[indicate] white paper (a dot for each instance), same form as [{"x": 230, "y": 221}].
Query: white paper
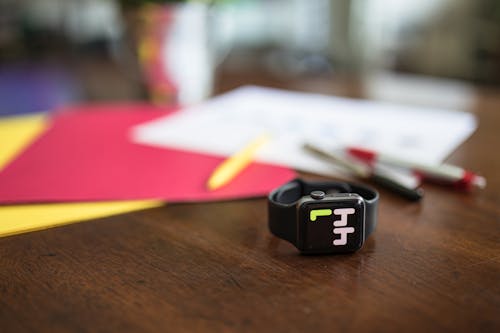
[
  {"x": 227, "y": 123},
  {"x": 419, "y": 90}
]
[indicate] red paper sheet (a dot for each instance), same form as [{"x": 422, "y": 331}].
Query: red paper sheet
[{"x": 87, "y": 155}]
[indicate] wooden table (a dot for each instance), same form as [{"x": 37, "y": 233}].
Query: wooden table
[{"x": 430, "y": 266}]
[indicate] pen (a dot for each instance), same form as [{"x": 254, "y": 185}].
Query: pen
[
  {"x": 404, "y": 185},
  {"x": 233, "y": 165},
  {"x": 444, "y": 173}
]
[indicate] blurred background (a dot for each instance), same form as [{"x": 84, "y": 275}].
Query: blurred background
[{"x": 54, "y": 52}]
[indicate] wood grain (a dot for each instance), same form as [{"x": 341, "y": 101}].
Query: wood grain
[{"x": 214, "y": 267}]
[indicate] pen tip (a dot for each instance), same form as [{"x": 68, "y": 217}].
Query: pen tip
[
  {"x": 479, "y": 182},
  {"x": 211, "y": 186},
  {"x": 215, "y": 182}
]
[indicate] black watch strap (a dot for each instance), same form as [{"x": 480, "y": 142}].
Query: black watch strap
[{"x": 283, "y": 210}]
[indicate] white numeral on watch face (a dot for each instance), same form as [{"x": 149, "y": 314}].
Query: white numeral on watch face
[{"x": 340, "y": 225}]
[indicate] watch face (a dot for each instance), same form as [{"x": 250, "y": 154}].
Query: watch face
[{"x": 331, "y": 225}]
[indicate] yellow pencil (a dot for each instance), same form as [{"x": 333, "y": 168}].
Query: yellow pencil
[{"x": 233, "y": 165}]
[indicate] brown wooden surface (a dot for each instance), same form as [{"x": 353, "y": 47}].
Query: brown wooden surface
[{"x": 432, "y": 266}]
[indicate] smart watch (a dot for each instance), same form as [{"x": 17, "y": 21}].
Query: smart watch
[{"x": 323, "y": 217}]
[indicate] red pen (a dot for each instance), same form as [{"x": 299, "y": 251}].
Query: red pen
[
  {"x": 405, "y": 185},
  {"x": 443, "y": 173}
]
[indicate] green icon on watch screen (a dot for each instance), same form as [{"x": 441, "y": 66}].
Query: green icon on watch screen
[{"x": 319, "y": 212}]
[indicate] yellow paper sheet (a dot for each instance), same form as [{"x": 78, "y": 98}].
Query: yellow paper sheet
[{"x": 16, "y": 133}]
